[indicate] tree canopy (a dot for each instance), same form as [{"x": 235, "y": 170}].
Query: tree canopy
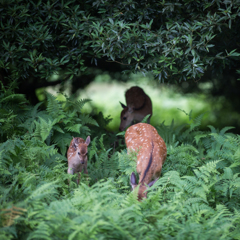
[{"x": 175, "y": 40}]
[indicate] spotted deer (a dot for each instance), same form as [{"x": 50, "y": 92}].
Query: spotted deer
[
  {"x": 77, "y": 156},
  {"x": 138, "y": 106},
  {"x": 151, "y": 154}
]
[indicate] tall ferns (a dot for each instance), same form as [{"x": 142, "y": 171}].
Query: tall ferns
[{"x": 197, "y": 196}]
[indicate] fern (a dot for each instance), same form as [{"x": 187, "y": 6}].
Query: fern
[
  {"x": 73, "y": 105},
  {"x": 13, "y": 108},
  {"x": 46, "y": 192},
  {"x": 74, "y": 128},
  {"x": 9, "y": 149},
  {"x": 196, "y": 197},
  {"x": 13, "y": 98},
  {"x": 145, "y": 119},
  {"x": 170, "y": 133},
  {"x": 33, "y": 114},
  {"x": 100, "y": 163},
  {"x": 43, "y": 128},
  {"x": 62, "y": 141},
  {"x": 182, "y": 158},
  {"x": 54, "y": 107}
]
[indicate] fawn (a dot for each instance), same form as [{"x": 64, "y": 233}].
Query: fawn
[
  {"x": 152, "y": 152},
  {"x": 77, "y": 156},
  {"x": 138, "y": 106}
]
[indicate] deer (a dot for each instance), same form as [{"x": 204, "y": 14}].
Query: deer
[
  {"x": 138, "y": 106},
  {"x": 151, "y": 151},
  {"x": 77, "y": 156}
]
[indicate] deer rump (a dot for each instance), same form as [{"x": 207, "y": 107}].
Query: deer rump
[
  {"x": 148, "y": 165},
  {"x": 151, "y": 155}
]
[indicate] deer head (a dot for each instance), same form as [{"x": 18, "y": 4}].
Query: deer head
[{"x": 138, "y": 106}]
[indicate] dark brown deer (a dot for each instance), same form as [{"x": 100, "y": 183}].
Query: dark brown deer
[{"x": 138, "y": 106}]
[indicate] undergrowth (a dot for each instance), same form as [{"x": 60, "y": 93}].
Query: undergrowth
[{"x": 196, "y": 197}]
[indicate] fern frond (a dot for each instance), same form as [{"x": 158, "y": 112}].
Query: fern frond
[
  {"x": 43, "y": 128},
  {"x": 131, "y": 199},
  {"x": 196, "y": 121},
  {"x": 145, "y": 119},
  {"x": 93, "y": 148},
  {"x": 212, "y": 128},
  {"x": 32, "y": 114},
  {"x": 195, "y": 200},
  {"x": 43, "y": 231},
  {"x": 58, "y": 128},
  {"x": 228, "y": 173},
  {"x": 236, "y": 157},
  {"x": 62, "y": 140},
  {"x": 54, "y": 107},
  {"x": 44, "y": 192},
  {"x": 9, "y": 148},
  {"x": 171, "y": 178},
  {"x": 75, "y": 105},
  {"x": 221, "y": 213},
  {"x": 224, "y": 130},
  {"x": 14, "y": 98},
  {"x": 11, "y": 214},
  {"x": 74, "y": 128},
  {"x": 127, "y": 163},
  {"x": 170, "y": 133},
  {"x": 199, "y": 136},
  {"x": 62, "y": 208},
  {"x": 220, "y": 140},
  {"x": 101, "y": 142},
  {"x": 86, "y": 119}
]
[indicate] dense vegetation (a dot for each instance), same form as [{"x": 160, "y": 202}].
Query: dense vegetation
[
  {"x": 197, "y": 196},
  {"x": 185, "y": 40}
]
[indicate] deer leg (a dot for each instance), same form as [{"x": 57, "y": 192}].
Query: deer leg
[
  {"x": 86, "y": 172},
  {"x": 78, "y": 178},
  {"x": 70, "y": 171}
]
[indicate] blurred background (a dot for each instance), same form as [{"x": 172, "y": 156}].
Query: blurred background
[{"x": 170, "y": 101}]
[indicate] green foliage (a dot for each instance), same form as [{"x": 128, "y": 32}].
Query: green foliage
[
  {"x": 197, "y": 196},
  {"x": 175, "y": 40}
]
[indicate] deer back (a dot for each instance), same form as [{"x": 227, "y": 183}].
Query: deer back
[
  {"x": 152, "y": 152},
  {"x": 138, "y": 106}
]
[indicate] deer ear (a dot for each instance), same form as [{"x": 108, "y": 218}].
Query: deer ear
[
  {"x": 133, "y": 179},
  {"x": 123, "y": 106},
  {"x": 151, "y": 183},
  {"x": 88, "y": 140}
]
